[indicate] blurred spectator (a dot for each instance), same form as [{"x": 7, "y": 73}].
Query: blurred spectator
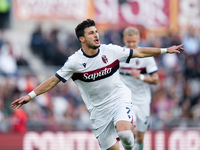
[
  {"x": 19, "y": 121},
  {"x": 4, "y": 124},
  {"x": 196, "y": 111},
  {"x": 160, "y": 111},
  {"x": 11, "y": 57},
  {"x": 170, "y": 62},
  {"x": 82, "y": 115},
  {"x": 186, "y": 114},
  {"x": 44, "y": 103},
  {"x": 190, "y": 67},
  {"x": 27, "y": 82},
  {"x": 60, "y": 106},
  {"x": 2, "y": 40},
  {"x": 8, "y": 63},
  {"x": 37, "y": 41},
  {"x": 48, "y": 46},
  {"x": 192, "y": 45},
  {"x": 69, "y": 121},
  {"x": 175, "y": 39},
  {"x": 113, "y": 36},
  {"x": 72, "y": 44},
  {"x": 19, "y": 56}
]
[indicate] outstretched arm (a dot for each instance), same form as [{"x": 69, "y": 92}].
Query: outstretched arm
[
  {"x": 148, "y": 51},
  {"x": 42, "y": 88}
]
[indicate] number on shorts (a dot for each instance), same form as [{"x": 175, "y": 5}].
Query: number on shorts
[
  {"x": 128, "y": 112},
  {"x": 147, "y": 120}
]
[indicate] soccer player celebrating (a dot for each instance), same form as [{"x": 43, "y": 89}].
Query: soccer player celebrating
[
  {"x": 137, "y": 75},
  {"x": 95, "y": 70}
]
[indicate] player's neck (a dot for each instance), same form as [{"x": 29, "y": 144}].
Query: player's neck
[
  {"x": 89, "y": 51},
  {"x": 135, "y": 47}
]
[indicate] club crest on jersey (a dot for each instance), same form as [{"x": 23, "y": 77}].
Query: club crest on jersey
[
  {"x": 137, "y": 62},
  {"x": 104, "y": 58}
]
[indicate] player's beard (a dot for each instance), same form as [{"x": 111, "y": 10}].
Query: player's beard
[{"x": 92, "y": 46}]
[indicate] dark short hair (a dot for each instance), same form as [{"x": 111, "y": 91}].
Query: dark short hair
[{"x": 81, "y": 27}]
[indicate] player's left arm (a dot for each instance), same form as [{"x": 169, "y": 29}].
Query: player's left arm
[
  {"x": 148, "y": 51},
  {"x": 152, "y": 79}
]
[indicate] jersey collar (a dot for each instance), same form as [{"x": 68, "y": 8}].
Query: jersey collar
[{"x": 88, "y": 55}]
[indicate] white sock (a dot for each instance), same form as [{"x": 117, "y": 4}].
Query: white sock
[
  {"x": 127, "y": 139},
  {"x": 138, "y": 146}
]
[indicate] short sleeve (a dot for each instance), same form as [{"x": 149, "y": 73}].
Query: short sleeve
[
  {"x": 122, "y": 53},
  {"x": 151, "y": 65},
  {"x": 66, "y": 71}
]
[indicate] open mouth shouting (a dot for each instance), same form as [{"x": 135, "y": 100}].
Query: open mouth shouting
[{"x": 97, "y": 41}]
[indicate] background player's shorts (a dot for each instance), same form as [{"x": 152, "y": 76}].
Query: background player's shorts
[
  {"x": 107, "y": 137},
  {"x": 142, "y": 113}
]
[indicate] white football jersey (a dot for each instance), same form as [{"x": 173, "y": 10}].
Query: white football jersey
[
  {"x": 98, "y": 78},
  {"x": 140, "y": 90}
]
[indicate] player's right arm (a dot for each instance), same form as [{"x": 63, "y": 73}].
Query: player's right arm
[{"x": 42, "y": 88}]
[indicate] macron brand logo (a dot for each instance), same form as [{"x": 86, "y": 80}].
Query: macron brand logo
[
  {"x": 84, "y": 65},
  {"x": 98, "y": 74}
]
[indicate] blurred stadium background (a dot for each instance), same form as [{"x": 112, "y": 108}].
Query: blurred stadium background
[{"x": 37, "y": 36}]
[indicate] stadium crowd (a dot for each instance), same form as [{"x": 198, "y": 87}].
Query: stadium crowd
[{"x": 175, "y": 100}]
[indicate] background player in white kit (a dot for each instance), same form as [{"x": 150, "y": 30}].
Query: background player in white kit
[
  {"x": 95, "y": 70},
  {"x": 137, "y": 75}
]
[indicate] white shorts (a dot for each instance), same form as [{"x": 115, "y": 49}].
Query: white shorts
[
  {"x": 108, "y": 133},
  {"x": 142, "y": 113}
]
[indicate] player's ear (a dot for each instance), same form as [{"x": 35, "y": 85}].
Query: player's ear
[
  {"x": 124, "y": 39},
  {"x": 82, "y": 39}
]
